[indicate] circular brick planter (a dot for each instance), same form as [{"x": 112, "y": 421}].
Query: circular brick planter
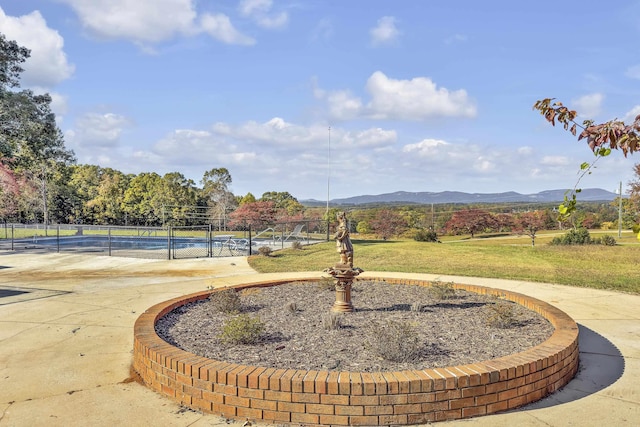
[{"x": 357, "y": 398}]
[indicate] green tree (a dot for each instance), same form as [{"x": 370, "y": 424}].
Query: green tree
[
  {"x": 107, "y": 204},
  {"x": 31, "y": 144},
  {"x": 215, "y": 191},
  {"x": 142, "y": 203},
  {"x": 284, "y": 202},
  {"x": 248, "y": 198},
  {"x": 633, "y": 204},
  {"x": 84, "y": 182},
  {"x": 177, "y": 198},
  {"x": 363, "y": 227}
]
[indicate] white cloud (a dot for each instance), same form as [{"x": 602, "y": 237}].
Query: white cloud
[
  {"x": 385, "y": 32},
  {"x": 391, "y": 99},
  {"x": 588, "y": 106},
  {"x": 343, "y": 105},
  {"x": 58, "y": 106},
  {"x": 631, "y": 114},
  {"x": 456, "y": 38},
  {"x": 146, "y": 22},
  {"x": 220, "y": 28},
  {"x": 260, "y": 12},
  {"x": 96, "y": 138},
  {"x": 633, "y": 72},
  {"x": 444, "y": 158},
  {"x": 370, "y": 138},
  {"x": 415, "y": 99},
  {"x": 555, "y": 161},
  {"x": 47, "y": 66},
  {"x": 274, "y": 152},
  {"x": 426, "y": 147},
  {"x": 323, "y": 30},
  {"x": 96, "y": 131}
]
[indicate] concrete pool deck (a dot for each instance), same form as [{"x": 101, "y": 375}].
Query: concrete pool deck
[{"x": 66, "y": 333}]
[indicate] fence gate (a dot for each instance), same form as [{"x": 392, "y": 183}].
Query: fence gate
[
  {"x": 202, "y": 242},
  {"x": 190, "y": 242}
]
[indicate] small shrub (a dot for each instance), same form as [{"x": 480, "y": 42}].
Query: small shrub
[
  {"x": 292, "y": 307},
  {"x": 327, "y": 283},
  {"x": 265, "y": 250},
  {"x": 442, "y": 291},
  {"x": 242, "y": 329},
  {"x": 296, "y": 245},
  {"x": 226, "y": 301},
  {"x": 426, "y": 236},
  {"x": 635, "y": 228},
  {"x": 250, "y": 291},
  {"x": 501, "y": 315},
  {"x": 575, "y": 236},
  {"x": 395, "y": 341},
  {"x": 332, "y": 321},
  {"x": 417, "y": 307},
  {"x": 606, "y": 240}
]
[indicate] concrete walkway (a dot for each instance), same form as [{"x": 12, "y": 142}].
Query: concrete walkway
[{"x": 66, "y": 333}]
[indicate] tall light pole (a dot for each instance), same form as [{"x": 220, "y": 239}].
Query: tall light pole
[{"x": 328, "y": 179}]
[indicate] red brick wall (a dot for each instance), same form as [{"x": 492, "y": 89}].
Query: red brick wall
[{"x": 355, "y": 398}]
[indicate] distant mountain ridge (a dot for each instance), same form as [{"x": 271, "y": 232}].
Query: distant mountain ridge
[{"x": 426, "y": 197}]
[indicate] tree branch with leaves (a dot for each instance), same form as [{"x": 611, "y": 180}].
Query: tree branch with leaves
[{"x": 601, "y": 139}]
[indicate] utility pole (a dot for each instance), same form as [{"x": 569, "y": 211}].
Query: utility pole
[
  {"x": 433, "y": 218},
  {"x": 620, "y": 212}
]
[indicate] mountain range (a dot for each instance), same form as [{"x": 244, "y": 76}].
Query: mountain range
[{"x": 427, "y": 197}]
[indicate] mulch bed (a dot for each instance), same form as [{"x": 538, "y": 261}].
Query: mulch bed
[{"x": 412, "y": 325}]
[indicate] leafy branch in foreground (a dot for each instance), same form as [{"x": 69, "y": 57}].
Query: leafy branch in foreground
[{"x": 601, "y": 139}]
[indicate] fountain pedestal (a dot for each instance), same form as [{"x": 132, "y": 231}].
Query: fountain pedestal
[{"x": 344, "y": 275}]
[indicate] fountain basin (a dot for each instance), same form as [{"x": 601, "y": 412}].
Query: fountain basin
[{"x": 357, "y": 398}]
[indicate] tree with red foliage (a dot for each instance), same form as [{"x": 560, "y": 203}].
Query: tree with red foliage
[
  {"x": 387, "y": 223},
  {"x": 530, "y": 223},
  {"x": 470, "y": 221},
  {"x": 504, "y": 222},
  {"x": 9, "y": 190},
  {"x": 258, "y": 215}
]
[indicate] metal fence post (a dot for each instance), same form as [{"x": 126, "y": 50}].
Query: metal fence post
[
  {"x": 249, "y": 239},
  {"x": 109, "y": 239},
  {"x": 210, "y": 241},
  {"x": 58, "y": 237},
  {"x": 168, "y": 242},
  {"x": 13, "y": 226}
]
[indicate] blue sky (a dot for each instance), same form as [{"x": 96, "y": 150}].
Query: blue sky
[{"x": 418, "y": 95}]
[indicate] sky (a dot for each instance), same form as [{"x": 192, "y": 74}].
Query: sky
[{"x": 334, "y": 98}]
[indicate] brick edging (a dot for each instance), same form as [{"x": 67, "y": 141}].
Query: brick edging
[{"x": 357, "y": 398}]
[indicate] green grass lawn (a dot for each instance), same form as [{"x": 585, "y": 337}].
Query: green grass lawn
[{"x": 593, "y": 266}]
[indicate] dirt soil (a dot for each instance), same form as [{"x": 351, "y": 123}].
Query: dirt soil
[{"x": 408, "y": 324}]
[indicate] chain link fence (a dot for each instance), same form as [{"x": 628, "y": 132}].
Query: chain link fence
[{"x": 154, "y": 242}]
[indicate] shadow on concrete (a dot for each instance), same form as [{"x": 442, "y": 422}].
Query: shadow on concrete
[
  {"x": 13, "y": 295},
  {"x": 601, "y": 364},
  {"x": 4, "y": 293}
]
